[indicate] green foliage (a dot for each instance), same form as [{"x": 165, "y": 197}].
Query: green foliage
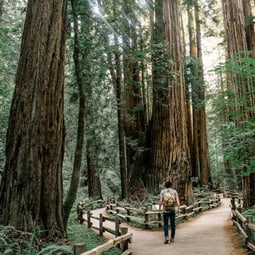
[
  {"x": 17, "y": 242},
  {"x": 250, "y": 211},
  {"x": 81, "y": 234},
  {"x": 10, "y": 34},
  {"x": 234, "y": 110},
  {"x": 194, "y": 81},
  {"x": 56, "y": 249}
]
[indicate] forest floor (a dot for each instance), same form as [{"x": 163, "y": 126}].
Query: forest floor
[{"x": 210, "y": 233}]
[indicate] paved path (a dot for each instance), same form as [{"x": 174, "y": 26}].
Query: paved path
[{"x": 209, "y": 233}]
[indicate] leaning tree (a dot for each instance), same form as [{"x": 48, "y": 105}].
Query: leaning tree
[{"x": 31, "y": 191}]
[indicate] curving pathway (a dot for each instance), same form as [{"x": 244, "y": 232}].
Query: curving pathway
[{"x": 209, "y": 233}]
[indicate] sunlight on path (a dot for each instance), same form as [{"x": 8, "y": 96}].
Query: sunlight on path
[{"x": 210, "y": 233}]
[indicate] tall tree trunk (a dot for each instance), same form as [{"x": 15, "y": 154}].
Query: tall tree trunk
[
  {"x": 250, "y": 37},
  {"x": 159, "y": 84},
  {"x": 134, "y": 115},
  {"x": 205, "y": 174},
  {"x": 234, "y": 13},
  {"x": 199, "y": 151},
  {"x": 193, "y": 133},
  {"x": 94, "y": 182},
  {"x": 169, "y": 140},
  {"x": 75, "y": 180},
  {"x": 1, "y": 9},
  {"x": 114, "y": 61},
  {"x": 188, "y": 94},
  {"x": 250, "y": 26},
  {"x": 31, "y": 192}
]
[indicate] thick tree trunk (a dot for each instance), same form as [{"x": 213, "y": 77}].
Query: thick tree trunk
[
  {"x": 114, "y": 62},
  {"x": 191, "y": 115},
  {"x": 1, "y": 9},
  {"x": 205, "y": 174},
  {"x": 134, "y": 115},
  {"x": 235, "y": 14},
  {"x": 169, "y": 140},
  {"x": 94, "y": 183},
  {"x": 31, "y": 190},
  {"x": 199, "y": 151},
  {"x": 250, "y": 26},
  {"x": 75, "y": 180}
]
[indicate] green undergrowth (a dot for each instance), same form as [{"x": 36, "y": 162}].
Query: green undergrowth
[
  {"x": 250, "y": 212},
  {"x": 14, "y": 242},
  {"x": 78, "y": 233}
]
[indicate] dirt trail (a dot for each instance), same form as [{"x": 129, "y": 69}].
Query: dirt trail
[{"x": 210, "y": 233}]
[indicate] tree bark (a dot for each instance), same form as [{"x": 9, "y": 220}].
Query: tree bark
[
  {"x": 1, "y": 9},
  {"x": 75, "y": 180},
  {"x": 169, "y": 140},
  {"x": 31, "y": 192},
  {"x": 114, "y": 62},
  {"x": 134, "y": 110},
  {"x": 235, "y": 15},
  {"x": 205, "y": 173}
]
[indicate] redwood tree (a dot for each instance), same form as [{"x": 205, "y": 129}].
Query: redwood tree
[
  {"x": 195, "y": 79},
  {"x": 134, "y": 111},
  {"x": 169, "y": 140},
  {"x": 31, "y": 191},
  {"x": 1, "y": 8},
  {"x": 239, "y": 41}
]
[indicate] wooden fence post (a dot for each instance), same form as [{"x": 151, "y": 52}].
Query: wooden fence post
[
  {"x": 80, "y": 212},
  {"x": 233, "y": 203},
  {"x": 199, "y": 205},
  {"x": 124, "y": 244},
  {"x": 250, "y": 231},
  {"x": 128, "y": 213},
  {"x": 101, "y": 228},
  {"x": 146, "y": 219},
  {"x": 159, "y": 219},
  {"x": 79, "y": 248},
  {"x": 233, "y": 208},
  {"x": 117, "y": 226},
  {"x": 89, "y": 219}
]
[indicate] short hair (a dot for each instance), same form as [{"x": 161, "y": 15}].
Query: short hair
[{"x": 168, "y": 184}]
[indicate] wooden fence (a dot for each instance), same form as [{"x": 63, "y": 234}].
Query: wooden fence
[
  {"x": 101, "y": 224},
  {"x": 245, "y": 225},
  {"x": 144, "y": 216},
  {"x": 150, "y": 218},
  {"x": 121, "y": 242}
]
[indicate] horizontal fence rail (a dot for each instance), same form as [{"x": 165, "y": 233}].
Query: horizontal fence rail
[
  {"x": 121, "y": 241},
  {"x": 151, "y": 217},
  {"x": 244, "y": 225},
  {"x": 117, "y": 214}
]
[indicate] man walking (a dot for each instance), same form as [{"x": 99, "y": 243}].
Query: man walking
[{"x": 169, "y": 199}]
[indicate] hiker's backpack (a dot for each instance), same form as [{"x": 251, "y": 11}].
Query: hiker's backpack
[{"x": 169, "y": 200}]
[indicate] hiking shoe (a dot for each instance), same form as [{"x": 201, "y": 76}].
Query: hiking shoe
[
  {"x": 166, "y": 241},
  {"x": 172, "y": 240}
]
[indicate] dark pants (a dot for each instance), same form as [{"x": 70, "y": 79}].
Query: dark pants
[{"x": 166, "y": 216}]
